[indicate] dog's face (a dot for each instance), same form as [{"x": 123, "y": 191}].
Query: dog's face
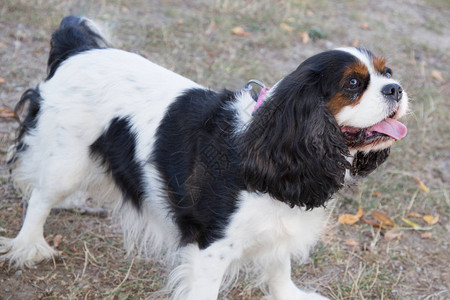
[
  {"x": 368, "y": 103},
  {"x": 336, "y": 104}
]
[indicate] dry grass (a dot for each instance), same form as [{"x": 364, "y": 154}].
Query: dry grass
[{"x": 195, "y": 39}]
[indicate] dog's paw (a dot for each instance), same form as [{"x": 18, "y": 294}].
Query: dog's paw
[
  {"x": 314, "y": 296},
  {"x": 302, "y": 296},
  {"x": 21, "y": 254}
]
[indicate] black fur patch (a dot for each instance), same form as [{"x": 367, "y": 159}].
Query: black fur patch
[
  {"x": 293, "y": 148},
  {"x": 72, "y": 37},
  {"x": 117, "y": 149},
  {"x": 197, "y": 156},
  {"x": 366, "y": 163}
]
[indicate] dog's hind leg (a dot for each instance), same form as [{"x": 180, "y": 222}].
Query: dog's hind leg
[
  {"x": 56, "y": 177},
  {"x": 29, "y": 247}
]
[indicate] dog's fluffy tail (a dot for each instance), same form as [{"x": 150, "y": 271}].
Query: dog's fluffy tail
[
  {"x": 74, "y": 35},
  {"x": 33, "y": 98}
]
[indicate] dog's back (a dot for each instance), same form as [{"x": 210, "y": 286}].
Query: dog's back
[{"x": 87, "y": 87}]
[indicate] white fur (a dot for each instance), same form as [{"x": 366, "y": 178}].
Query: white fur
[{"x": 243, "y": 107}]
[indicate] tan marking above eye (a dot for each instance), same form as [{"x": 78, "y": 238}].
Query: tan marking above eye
[
  {"x": 379, "y": 64},
  {"x": 357, "y": 68}
]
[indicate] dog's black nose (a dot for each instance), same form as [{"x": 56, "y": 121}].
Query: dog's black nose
[{"x": 392, "y": 91}]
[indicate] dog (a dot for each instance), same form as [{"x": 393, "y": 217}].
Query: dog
[{"x": 187, "y": 171}]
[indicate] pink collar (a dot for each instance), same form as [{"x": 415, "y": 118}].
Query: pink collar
[
  {"x": 262, "y": 93},
  {"x": 261, "y": 98}
]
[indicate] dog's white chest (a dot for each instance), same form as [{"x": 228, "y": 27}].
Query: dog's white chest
[{"x": 262, "y": 222}]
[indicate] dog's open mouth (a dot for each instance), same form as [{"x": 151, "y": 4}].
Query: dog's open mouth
[{"x": 388, "y": 128}]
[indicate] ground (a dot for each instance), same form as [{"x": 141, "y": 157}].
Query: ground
[{"x": 223, "y": 44}]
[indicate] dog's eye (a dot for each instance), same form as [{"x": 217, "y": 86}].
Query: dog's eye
[
  {"x": 352, "y": 83},
  {"x": 388, "y": 73}
]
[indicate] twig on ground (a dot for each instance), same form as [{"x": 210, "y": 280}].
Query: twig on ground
[{"x": 125, "y": 279}]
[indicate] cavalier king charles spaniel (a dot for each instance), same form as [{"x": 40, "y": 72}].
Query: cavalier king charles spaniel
[{"x": 192, "y": 175}]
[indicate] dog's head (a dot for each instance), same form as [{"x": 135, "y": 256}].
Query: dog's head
[{"x": 335, "y": 103}]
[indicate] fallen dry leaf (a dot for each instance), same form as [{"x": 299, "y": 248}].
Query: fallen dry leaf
[
  {"x": 364, "y": 26},
  {"x": 426, "y": 235},
  {"x": 212, "y": 26},
  {"x": 286, "y": 27},
  {"x": 377, "y": 194},
  {"x": 304, "y": 36},
  {"x": 239, "y": 31},
  {"x": 2, "y": 80},
  {"x": 430, "y": 219},
  {"x": 57, "y": 240},
  {"x": 6, "y": 113},
  {"x": 348, "y": 219},
  {"x": 351, "y": 243},
  {"x": 360, "y": 212},
  {"x": 437, "y": 75},
  {"x": 413, "y": 215},
  {"x": 392, "y": 234},
  {"x": 373, "y": 223},
  {"x": 422, "y": 186},
  {"x": 382, "y": 218}
]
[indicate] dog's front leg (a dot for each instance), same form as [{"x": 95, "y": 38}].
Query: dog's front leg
[
  {"x": 281, "y": 287},
  {"x": 200, "y": 273}
]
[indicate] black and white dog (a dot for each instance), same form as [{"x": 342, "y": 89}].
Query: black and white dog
[{"x": 187, "y": 170}]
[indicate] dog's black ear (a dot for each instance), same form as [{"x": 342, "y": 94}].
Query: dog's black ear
[
  {"x": 293, "y": 148},
  {"x": 366, "y": 163}
]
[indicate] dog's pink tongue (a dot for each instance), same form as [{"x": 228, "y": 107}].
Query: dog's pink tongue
[{"x": 390, "y": 127}]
